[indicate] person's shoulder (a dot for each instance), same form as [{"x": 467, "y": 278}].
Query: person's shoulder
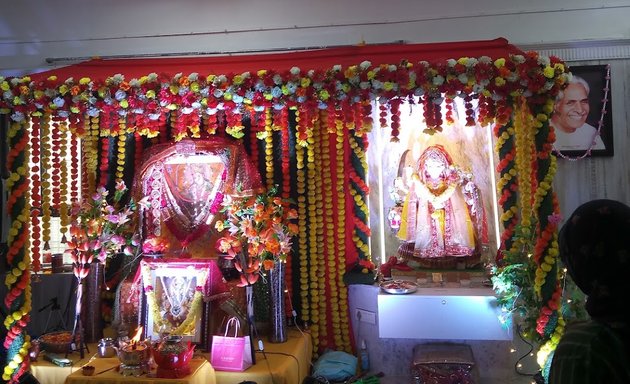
[{"x": 588, "y": 128}]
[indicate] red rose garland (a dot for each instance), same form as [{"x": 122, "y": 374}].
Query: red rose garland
[
  {"x": 36, "y": 197},
  {"x": 104, "y": 163}
]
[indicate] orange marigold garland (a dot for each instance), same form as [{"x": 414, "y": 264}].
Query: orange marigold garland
[{"x": 17, "y": 280}]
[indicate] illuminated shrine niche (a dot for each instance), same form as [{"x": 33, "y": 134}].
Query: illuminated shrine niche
[{"x": 438, "y": 193}]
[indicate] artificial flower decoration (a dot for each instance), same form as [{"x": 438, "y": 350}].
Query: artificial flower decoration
[
  {"x": 99, "y": 229},
  {"x": 259, "y": 231}
]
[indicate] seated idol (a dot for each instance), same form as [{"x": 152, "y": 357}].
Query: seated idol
[{"x": 443, "y": 220}]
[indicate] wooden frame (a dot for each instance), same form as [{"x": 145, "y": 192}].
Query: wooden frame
[{"x": 599, "y": 116}]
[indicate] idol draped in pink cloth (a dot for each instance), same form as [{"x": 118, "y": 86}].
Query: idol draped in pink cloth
[{"x": 443, "y": 215}]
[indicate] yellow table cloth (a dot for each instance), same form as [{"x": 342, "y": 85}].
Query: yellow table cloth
[
  {"x": 287, "y": 363},
  {"x": 201, "y": 373},
  {"x": 49, "y": 373}
]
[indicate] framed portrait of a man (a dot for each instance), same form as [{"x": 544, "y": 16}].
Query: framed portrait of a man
[{"x": 582, "y": 117}]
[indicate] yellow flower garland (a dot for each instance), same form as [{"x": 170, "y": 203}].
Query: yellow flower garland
[
  {"x": 317, "y": 203},
  {"x": 121, "y": 149},
  {"x": 188, "y": 325},
  {"x": 336, "y": 263},
  {"x": 46, "y": 161}
]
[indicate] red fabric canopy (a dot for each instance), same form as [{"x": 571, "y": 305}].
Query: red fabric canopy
[{"x": 306, "y": 60}]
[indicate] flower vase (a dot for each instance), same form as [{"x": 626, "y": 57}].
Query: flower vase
[
  {"x": 277, "y": 318},
  {"x": 93, "y": 326}
]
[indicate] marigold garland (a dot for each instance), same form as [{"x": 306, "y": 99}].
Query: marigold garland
[
  {"x": 121, "y": 150},
  {"x": 499, "y": 82},
  {"x": 46, "y": 163},
  {"x": 36, "y": 197},
  {"x": 64, "y": 221},
  {"x": 269, "y": 168},
  {"x": 321, "y": 138},
  {"x": 18, "y": 298}
]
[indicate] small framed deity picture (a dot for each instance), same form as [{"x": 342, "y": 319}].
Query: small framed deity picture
[
  {"x": 173, "y": 300},
  {"x": 582, "y": 115}
]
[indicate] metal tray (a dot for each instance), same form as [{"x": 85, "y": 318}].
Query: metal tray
[{"x": 399, "y": 287}]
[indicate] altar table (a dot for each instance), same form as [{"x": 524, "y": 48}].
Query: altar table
[
  {"x": 284, "y": 363},
  {"x": 48, "y": 373},
  {"x": 201, "y": 373}
]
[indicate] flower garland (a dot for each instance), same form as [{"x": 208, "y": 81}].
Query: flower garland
[
  {"x": 36, "y": 197},
  {"x": 336, "y": 265},
  {"x": 46, "y": 163},
  {"x": 121, "y": 140},
  {"x": 17, "y": 280},
  {"x": 269, "y": 168},
  {"x": 318, "y": 265},
  {"x": 309, "y": 313},
  {"x": 499, "y": 81},
  {"x": 286, "y": 194},
  {"x": 194, "y": 312},
  {"x": 315, "y": 261},
  {"x": 63, "y": 174},
  {"x": 426, "y": 195},
  {"x": 359, "y": 191}
]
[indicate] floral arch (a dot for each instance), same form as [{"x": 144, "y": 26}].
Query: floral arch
[{"x": 303, "y": 119}]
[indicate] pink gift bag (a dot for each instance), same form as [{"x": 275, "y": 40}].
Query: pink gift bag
[{"x": 231, "y": 353}]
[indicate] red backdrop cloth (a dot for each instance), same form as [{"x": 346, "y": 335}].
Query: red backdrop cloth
[{"x": 305, "y": 60}]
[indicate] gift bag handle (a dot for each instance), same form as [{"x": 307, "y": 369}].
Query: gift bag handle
[{"x": 237, "y": 326}]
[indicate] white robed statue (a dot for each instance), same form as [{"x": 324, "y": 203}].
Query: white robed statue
[{"x": 443, "y": 220}]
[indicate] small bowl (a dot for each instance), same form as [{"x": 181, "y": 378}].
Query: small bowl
[{"x": 88, "y": 370}]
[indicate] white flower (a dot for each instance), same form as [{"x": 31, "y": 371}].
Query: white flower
[
  {"x": 152, "y": 76},
  {"x": 438, "y": 80},
  {"x": 520, "y": 59},
  {"x": 193, "y": 76},
  {"x": 336, "y": 68},
  {"x": 365, "y": 65},
  {"x": 485, "y": 60},
  {"x": 295, "y": 71},
  {"x": 392, "y": 68},
  {"x": 451, "y": 62}
]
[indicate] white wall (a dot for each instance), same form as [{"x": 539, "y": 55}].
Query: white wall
[{"x": 32, "y": 30}]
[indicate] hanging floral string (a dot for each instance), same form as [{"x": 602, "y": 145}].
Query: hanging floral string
[
  {"x": 63, "y": 174},
  {"x": 121, "y": 149},
  {"x": 104, "y": 160},
  {"x": 46, "y": 163},
  {"x": 309, "y": 312},
  {"x": 269, "y": 168},
  {"x": 318, "y": 140},
  {"x": 336, "y": 265},
  {"x": 36, "y": 197},
  {"x": 18, "y": 278},
  {"x": 317, "y": 285}
]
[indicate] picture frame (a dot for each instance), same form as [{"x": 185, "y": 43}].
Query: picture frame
[
  {"x": 582, "y": 141},
  {"x": 170, "y": 286}
]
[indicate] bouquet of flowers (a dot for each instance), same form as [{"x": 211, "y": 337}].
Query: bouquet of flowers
[
  {"x": 100, "y": 230},
  {"x": 259, "y": 230}
]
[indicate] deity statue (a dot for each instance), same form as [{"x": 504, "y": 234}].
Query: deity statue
[{"x": 443, "y": 220}]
